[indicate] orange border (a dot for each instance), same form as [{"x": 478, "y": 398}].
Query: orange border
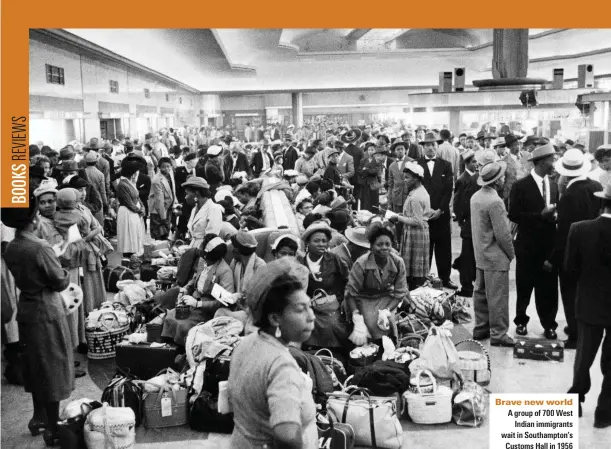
[{"x": 18, "y": 17}]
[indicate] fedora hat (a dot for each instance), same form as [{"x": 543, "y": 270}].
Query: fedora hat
[
  {"x": 542, "y": 152},
  {"x": 358, "y": 236},
  {"x": 69, "y": 165},
  {"x": 491, "y": 172},
  {"x": 605, "y": 193},
  {"x": 573, "y": 163},
  {"x": 431, "y": 138},
  {"x": 531, "y": 140},
  {"x": 351, "y": 136},
  {"x": 399, "y": 143},
  {"x": 485, "y": 157},
  {"x": 467, "y": 154},
  {"x": 511, "y": 138},
  {"x": 499, "y": 142}
]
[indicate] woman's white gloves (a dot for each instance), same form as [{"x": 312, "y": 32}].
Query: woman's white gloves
[
  {"x": 360, "y": 334},
  {"x": 384, "y": 319}
]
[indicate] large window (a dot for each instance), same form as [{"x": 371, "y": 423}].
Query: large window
[
  {"x": 114, "y": 86},
  {"x": 55, "y": 75}
]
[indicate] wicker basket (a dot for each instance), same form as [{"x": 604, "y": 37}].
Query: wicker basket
[
  {"x": 474, "y": 361},
  {"x": 101, "y": 342},
  {"x": 429, "y": 408}
]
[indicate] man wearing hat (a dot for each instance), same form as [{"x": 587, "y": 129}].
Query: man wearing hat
[
  {"x": 97, "y": 181},
  {"x": 588, "y": 260},
  {"x": 352, "y": 138},
  {"x": 449, "y": 152},
  {"x": 466, "y": 186},
  {"x": 345, "y": 162},
  {"x": 289, "y": 153},
  {"x": 101, "y": 164},
  {"x": 439, "y": 182},
  {"x": 532, "y": 206},
  {"x": 262, "y": 160},
  {"x": 236, "y": 161},
  {"x": 331, "y": 171},
  {"x": 578, "y": 203},
  {"x": 357, "y": 245},
  {"x": 493, "y": 254},
  {"x": 511, "y": 174},
  {"x": 396, "y": 184},
  {"x": 212, "y": 170},
  {"x": 413, "y": 151}
]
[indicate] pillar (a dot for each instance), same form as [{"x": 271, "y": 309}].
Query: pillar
[
  {"x": 510, "y": 53},
  {"x": 297, "y": 106},
  {"x": 454, "y": 125}
]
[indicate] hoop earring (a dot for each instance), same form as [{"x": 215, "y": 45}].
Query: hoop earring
[{"x": 278, "y": 333}]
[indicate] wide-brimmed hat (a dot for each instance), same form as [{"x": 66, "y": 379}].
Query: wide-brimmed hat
[
  {"x": 77, "y": 182},
  {"x": 196, "y": 181},
  {"x": 511, "y": 138},
  {"x": 499, "y": 142},
  {"x": 358, "y": 236},
  {"x": 467, "y": 154},
  {"x": 605, "y": 193},
  {"x": 531, "y": 140},
  {"x": 491, "y": 172},
  {"x": 431, "y": 138},
  {"x": 485, "y": 157},
  {"x": 573, "y": 163},
  {"x": 542, "y": 152},
  {"x": 69, "y": 165},
  {"x": 414, "y": 169},
  {"x": 66, "y": 153},
  {"x": 351, "y": 136},
  {"x": 316, "y": 227}
]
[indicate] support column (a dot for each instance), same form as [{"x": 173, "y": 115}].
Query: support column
[
  {"x": 297, "y": 105},
  {"x": 510, "y": 53},
  {"x": 454, "y": 125}
]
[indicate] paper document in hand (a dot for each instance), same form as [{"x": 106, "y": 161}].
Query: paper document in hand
[
  {"x": 220, "y": 294},
  {"x": 390, "y": 214}
]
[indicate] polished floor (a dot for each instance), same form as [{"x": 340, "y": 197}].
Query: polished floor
[{"x": 509, "y": 375}]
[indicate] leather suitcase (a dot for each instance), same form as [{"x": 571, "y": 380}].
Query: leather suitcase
[
  {"x": 539, "y": 349},
  {"x": 144, "y": 362}
]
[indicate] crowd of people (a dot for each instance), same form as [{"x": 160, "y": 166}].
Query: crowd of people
[{"x": 373, "y": 205}]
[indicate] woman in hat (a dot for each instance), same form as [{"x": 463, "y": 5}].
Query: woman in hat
[
  {"x": 415, "y": 239},
  {"x": 271, "y": 397},
  {"x": 48, "y": 358},
  {"x": 213, "y": 168},
  {"x": 371, "y": 174},
  {"x": 303, "y": 208},
  {"x": 327, "y": 280},
  {"x": 197, "y": 294},
  {"x": 285, "y": 245},
  {"x": 160, "y": 201},
  {"x": 130, "y": 226},
  {"x": 206, "y": 216},
  {"x": 377, "y": 282},
  {"x": 306, "y": 164}
]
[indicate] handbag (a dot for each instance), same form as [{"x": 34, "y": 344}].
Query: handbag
[
  {"x": 374, "y": 419},
  {"x": 113, "y": 427},
  {"x": 334, "y": 435},
  {"x": 429, "y": 408}
]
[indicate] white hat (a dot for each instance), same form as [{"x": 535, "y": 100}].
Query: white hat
[
  {"x": 214, "y": 150},
  {"x": 573, "y": 163},
  {"x": 414, "y": 168}
]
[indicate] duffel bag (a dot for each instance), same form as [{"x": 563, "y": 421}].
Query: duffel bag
[
  {"x": 374, "y": 419},
  {"x": 122, "y": 391},
  {"x": 204, "y": 415},
  {"x": 108, "y": 427},
  {"x": 114, "y": 275}
]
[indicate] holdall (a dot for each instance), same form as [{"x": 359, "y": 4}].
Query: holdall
[
  {"x": 333, "y": 434},
  {"x": 474, "y": 362},
  {"x": 101, "y": 344},
  {"x": 335, "y": 368},
  {"x": 122, "y": 391},
  {"x": 114, "y": 275},
  {"x": 110, "y": 427},
  {"x": 166, "y": 408},
  {"x": 429, "y": 408},
  {"x": 374, "y": 419}
]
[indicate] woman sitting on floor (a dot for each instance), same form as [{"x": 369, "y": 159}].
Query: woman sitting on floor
[{"x": 197, "y": 293}]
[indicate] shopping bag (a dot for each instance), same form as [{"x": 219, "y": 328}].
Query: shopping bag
[{"x": 438, "y": 354}]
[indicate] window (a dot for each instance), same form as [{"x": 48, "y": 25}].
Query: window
[
  {"x": 180, "y": 100},
  {"x": 167, "y": 97},
  {"x": 55, "y": 75},
  {"x": 147, "y": 93},
  {"x": 114, "y": 86}
]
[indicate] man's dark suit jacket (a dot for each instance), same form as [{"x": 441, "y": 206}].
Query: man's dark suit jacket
[
  {"x": 525, "y": 206},
  {"x": 257, "y": 163},
  {"x": 578, "y": 203},
  {"x": 439, "y": 185},
  {"x": 241, "y": 165},
  {"x": 588, "y": 258},
  {"x": 357, "y": 154},
  {"x": 289, "y": 158},
  {"x": 180, "y": 176},
  {"x": 466, "y": 186}
]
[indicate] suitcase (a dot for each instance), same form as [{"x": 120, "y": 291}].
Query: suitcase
[
  {"x": 148, "y": 272},
  {"x": 144, "y": 362},
  {"x": 539, "y": 349},
  {"x": 113, "y": 275}
]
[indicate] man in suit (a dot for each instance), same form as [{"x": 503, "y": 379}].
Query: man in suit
[
  {"x": 412, "y": 150},
  {"x": 262, "y": 160},
  {"x": 102, "y": 163},
  {"x": 511, "y": 174},
  {"x": 345, "y": 162},
  {"x": 532, "y": 206},
  {"x": 275, "y": 132},
  {"x": 160, "y": 201},
  {"x": 588, "y": 259},
  {"x": 578, "y": 203},
  {"x": 439, "y": 182},
  {"x": 182, "y": 174},
  {"x": 396, "y": 184},
  {"x": 236, "y": 161},
  {"x": 493, "y": 255},
  {"x": 289, "y": 153},
  {"x": 351, "y": 138},
  {"x": 466, "y": 186},
  {"x": 449, "y": 152}
]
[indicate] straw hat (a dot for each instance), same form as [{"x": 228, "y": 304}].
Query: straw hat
[
  {"x": 542, "y": 152},
  {"x": 485, "y": 157},
  {"x": 491, "y": 172},
  {"x": 574, "y": 163},
  {"x": 358, "y": 236},
  {"x": 467, "y": 154}
]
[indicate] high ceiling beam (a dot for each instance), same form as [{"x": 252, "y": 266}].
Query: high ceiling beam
[{"x": 357, "y": 33}]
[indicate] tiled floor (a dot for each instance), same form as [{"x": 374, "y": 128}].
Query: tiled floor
[{"x": 509, "y": 375}]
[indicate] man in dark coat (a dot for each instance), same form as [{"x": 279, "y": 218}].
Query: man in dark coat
[
  {"x": 289, "y": 154},
  {"x": 578, "y": 203},
  {"x": 413, "y": 150},
  {"x": 588, "y": 259},
  {"x": 532, "y": 206},
  {"x": 182, "y": 174},
  {"x": 351, "y": 139},
  {"x": 466, "y": 186},
  {"x": 262, "y": 160},
  {"x": 439, "y": 182},
  {"x": 236, "y": 161}
]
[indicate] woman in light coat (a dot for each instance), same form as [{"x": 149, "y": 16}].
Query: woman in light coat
[{"x": 206, "y": 216}]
